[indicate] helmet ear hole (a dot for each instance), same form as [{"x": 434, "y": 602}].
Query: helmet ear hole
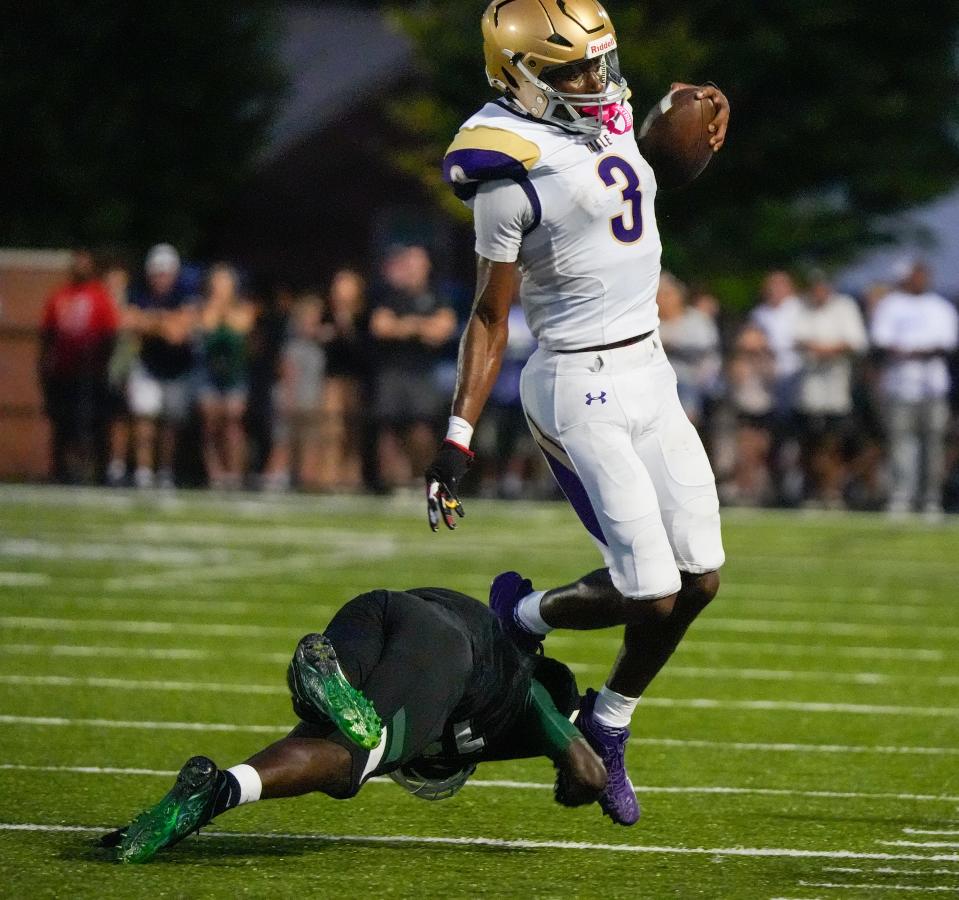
[{"x": 510, "y": 80}]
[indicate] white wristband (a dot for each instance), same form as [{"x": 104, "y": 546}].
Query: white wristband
[{"x": 459, "y": 431}]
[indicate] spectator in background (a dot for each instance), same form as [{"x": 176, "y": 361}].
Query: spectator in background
[
  {"x": 163, "y": 313},
  {"x": 264, "y": 346},
  {"x": 77, "y": 333},
  {"x": 346, "y": 336},
  {"x": 915, "y": 330},
  {"x": 691, "y": 341},
  {"x": 751, "y": 377},
  {"x": 225, "y": 321},
  {"x": 117, "y": 281},
  {"x": 776, "y": 315},
  {"x": 829, "y": 334},
  {"x": 297, "y": 397},
  {"x": 411, "y": 324}
]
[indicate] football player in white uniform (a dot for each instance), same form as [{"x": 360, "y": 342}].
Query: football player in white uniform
[{"x": 563, "y": 204}]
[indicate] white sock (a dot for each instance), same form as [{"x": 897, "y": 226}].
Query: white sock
[
  {"x": 527, "y": 613},
  {"x": 614, "y": 710},
  {"x": 250, "y": 783}
]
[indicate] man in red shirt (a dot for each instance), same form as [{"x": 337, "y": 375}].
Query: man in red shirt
[{"x": 78, "y": 330}]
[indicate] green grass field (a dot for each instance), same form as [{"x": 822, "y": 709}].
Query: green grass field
[{"x": 803, "y": 742}]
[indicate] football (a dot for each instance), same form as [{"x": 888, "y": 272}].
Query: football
[{"x": 674, "y": 138}]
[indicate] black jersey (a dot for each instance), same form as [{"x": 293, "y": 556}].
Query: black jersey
[{"x": 448, "y": 684}]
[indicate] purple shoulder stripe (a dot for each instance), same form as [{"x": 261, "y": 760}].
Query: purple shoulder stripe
[{"x": 467, "y": 165}]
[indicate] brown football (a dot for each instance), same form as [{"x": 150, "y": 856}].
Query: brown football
[{"x": 674, "y": 138}]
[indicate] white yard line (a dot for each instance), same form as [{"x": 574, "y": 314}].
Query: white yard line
[
  {"x": 707, "y": 790},
  {"x": 154, "y": 554},
  {"x": 684, "y": 743},
  {"x": 737, "y": 674},
  {"x": 663, "y": 702},
  {"x": 817, "y": 650},
  {"x": 58, "y": 721},
  {"x": 180, "y": 653},
  {"x": 935, "y": 844},
  {"x": 127, "y": 684},
  {"x": 853, "y": 885},
  {"x": 133, "y": 626},
  {"x": 24, "y": 579},
  {"x": 319, "y": 560},
  {"x": 517, "y": 844},
  {"x": 943, "y": 831},
  {"x": 783, "y": 650},
  {"x": 61, "y": 722},
  {"x": 708, "y": 672},
  {"x": 887, "y": 870}
]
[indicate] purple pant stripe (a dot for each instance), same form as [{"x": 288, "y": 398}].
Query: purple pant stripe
[{"x": 573, "y": 488}]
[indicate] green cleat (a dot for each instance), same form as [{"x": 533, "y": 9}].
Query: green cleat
[
  {"x": 318, "y": 682},
  {"x": 186, "y": 808}
]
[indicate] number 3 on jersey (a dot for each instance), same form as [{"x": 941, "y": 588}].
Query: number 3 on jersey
[{"x": 613, "y": 170}]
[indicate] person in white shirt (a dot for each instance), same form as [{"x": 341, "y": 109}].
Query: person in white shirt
[
  {"x": 563, "y": 205},
  {"x": 916, "y": 329},
  {"x": 776, "y": 315},
  {"x": 830, "y": 333}
]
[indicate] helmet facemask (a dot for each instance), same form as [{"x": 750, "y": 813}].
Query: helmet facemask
[{"x": 579, "y": 113}]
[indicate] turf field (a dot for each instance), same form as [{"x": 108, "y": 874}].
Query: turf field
[{"x": 803, "y": 742}]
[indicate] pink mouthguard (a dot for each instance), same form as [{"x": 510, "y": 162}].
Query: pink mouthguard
[{"x": 616, "y": 117}]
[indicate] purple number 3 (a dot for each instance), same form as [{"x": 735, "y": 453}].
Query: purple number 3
[{"x": 608, "y": 167}]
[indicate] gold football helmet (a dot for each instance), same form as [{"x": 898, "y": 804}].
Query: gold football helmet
[{"x": 527, "y": 40}]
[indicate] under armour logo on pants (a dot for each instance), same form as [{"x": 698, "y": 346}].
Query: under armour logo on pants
[{"x": 590, "y": 398}]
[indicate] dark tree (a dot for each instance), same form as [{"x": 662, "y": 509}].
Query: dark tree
[
  {"x": 843, "y": 113},
  {"x": 126, "y": 122}
]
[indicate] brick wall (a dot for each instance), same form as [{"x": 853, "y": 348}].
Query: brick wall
[{"x": 27, "y": 277}]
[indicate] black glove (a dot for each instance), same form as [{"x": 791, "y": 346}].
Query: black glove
[{"x": 442, "y": 478}]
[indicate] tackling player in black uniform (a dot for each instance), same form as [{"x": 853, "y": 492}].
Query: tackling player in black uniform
[{"x": 421, "y": 685}]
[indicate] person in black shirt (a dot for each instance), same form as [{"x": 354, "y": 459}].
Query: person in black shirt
[
  {"x": 410, "y": 323},
  {"x": 421, "y": 685}
]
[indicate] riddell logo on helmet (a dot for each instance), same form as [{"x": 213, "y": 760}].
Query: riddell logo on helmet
[{"x": 600, "y": 46}]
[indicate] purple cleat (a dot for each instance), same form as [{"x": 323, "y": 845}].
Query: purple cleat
[
  {"x": 507, "y": 589},
  {"x": 618, "y": 800}
]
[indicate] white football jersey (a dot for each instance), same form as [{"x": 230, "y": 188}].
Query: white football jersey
[{"x": 577, "y": 212}]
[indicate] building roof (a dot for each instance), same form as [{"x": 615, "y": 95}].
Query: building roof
[
  {"x": 336, "y": 56},
  {"x": 930, "y": 233}
]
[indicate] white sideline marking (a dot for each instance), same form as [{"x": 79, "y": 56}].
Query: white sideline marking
[
  {"x": 38, "y": 623},
  {"x": 23, "y": 579},
  {"x": 794, "y": 748},
  {"x": 504, "y": 784},
  {"x": 946, "y": 844},
  {"x": 655, "y": 742},
  {"x": 944, "y": 831},
  {"x": 887, "y": 870},
  {"x": 878, "y": 887},
  {"x": 666, "y": 702},
  {"x": 518, "y": 844}
]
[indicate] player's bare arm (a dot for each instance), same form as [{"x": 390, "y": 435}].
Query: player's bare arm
[
  {"x": 480, "y": 358},
  {"x": 484, "y": 341}
]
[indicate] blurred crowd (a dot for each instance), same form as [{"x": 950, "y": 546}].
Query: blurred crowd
[{"x": 171, "y": 374}]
